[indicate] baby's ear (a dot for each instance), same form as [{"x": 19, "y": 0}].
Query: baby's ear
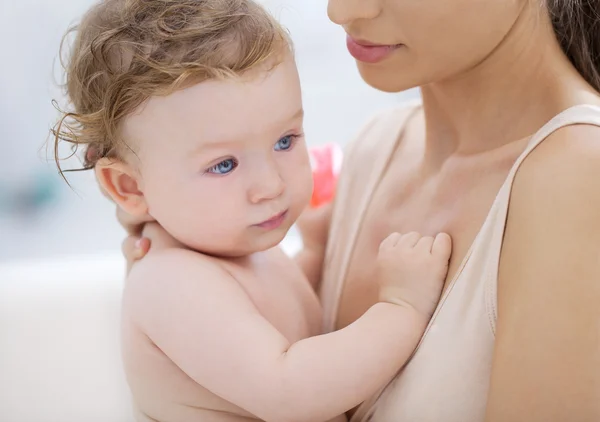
[{"x": 121, "y": 183}]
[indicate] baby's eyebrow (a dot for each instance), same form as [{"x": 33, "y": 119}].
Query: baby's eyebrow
[
  {"x": 207, "y": 145},
  {"x": 298, "y": 114}
]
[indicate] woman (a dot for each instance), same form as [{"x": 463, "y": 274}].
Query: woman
[{"x": 504, "y": 155}]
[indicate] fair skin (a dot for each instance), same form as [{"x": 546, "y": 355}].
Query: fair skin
[
  {"x": 491, "y": 74},
  {"x": 223, "y": 305},
  {"x": 481, "y": 65}
]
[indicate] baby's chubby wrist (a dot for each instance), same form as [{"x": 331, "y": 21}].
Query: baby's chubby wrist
[
  {"x": 421, "y": 310},
  {"x": 412, "y": 321}
]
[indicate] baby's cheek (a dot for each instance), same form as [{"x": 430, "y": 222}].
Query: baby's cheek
[{"x": 303, "y": 187}]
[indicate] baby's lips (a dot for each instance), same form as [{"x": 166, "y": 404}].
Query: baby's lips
[{"x": 326, "y": 163}]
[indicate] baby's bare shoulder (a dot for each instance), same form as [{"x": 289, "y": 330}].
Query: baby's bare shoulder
[
  {"x": 175, "y": 263},
  {"x": 175, "y": 272}
]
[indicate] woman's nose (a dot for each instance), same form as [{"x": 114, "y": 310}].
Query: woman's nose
[{"x": 344, "y": 12}]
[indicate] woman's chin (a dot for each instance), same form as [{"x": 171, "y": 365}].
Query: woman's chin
[{"x": 385, "y": 80}]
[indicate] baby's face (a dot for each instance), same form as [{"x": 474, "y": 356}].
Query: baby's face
[{"x": 223, "y": 165}]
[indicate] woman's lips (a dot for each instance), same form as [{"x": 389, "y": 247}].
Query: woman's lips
[{"x": 367, "y": 52}]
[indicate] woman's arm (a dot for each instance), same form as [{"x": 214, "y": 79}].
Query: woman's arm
[
  {"x": 314, "y": 227},
  {"x": 546, "y": 365}
]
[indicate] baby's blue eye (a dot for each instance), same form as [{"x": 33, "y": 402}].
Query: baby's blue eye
[
  {"x": 284, "y": 143},
  {"x": 224, "y": 167}
]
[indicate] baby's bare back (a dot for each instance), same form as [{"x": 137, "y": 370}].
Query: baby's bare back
[{"x": 163, "y": 392}]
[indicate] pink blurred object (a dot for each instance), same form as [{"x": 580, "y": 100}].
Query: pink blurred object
[{"x": 326, "y": 162}]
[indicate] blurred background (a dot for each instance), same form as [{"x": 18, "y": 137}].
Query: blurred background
[{"x": 42, "y": 217}]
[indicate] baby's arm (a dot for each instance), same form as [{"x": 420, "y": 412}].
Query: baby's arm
[{"x": 209, "y": 327}]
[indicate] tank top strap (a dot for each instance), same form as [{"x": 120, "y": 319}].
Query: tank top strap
[
  {"x": 577, "y": 115},
  {"x": 487, "y": 245},
  {"x": 491, "y": 236}
]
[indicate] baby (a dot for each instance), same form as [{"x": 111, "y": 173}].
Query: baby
[{"x": 191, "y": 113}]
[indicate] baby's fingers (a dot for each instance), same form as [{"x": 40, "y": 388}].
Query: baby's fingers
[
  {"x": 134, "y": 248},
  {"x": 442, "y": 246},
  {"x": 410, "y": 240},
  {"x": 425, "y": 244},
  {"x": 390, "y": 241}
]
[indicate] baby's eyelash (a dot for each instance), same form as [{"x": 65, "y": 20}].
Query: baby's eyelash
[
  {"x": 220, "y": 172},
  {"x": 293, "y": 137}
]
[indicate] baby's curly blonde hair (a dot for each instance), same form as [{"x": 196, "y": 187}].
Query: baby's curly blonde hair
[{"x": 127, "y": 51}]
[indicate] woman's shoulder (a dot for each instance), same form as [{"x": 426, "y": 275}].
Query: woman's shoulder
[
  {"x": 555, "y": 196},
  {"x": 565, "y": 164},
  {"x": 549, "y": 274},
  {"x": 550, "y": 248}
]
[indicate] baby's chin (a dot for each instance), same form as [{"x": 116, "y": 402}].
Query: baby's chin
[
  {"x": 265, "y": 241},
  {"x": 244, "y": 245}
]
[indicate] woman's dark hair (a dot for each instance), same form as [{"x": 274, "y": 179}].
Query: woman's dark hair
[{"x": 577, "y": 27}]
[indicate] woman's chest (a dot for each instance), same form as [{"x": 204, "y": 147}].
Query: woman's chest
[{"x": 456, "y": 201}]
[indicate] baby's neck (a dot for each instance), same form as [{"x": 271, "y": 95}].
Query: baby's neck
[{"x": 244, "y": 261}]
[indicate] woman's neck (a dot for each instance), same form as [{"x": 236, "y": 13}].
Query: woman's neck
[{"x": 523, "y": 83}]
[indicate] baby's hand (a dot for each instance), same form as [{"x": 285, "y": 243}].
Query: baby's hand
[
  {"x": 152, "y": 234},
  {"x": 411, "y": 270}
]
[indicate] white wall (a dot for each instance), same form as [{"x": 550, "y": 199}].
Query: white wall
[{"x": 337, "y": 102}]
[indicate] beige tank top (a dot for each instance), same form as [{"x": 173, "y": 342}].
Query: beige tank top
[{"x": 447, "y": 379}]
